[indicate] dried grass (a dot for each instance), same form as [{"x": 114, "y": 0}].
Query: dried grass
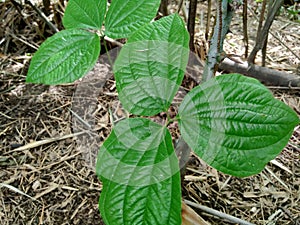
[{"x": 64, "y": 189}]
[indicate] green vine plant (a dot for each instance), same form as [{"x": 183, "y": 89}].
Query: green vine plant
[{"x": 231, "y": 121}]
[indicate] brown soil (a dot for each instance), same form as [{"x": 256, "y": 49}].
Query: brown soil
[{"x": 61, "y": 180}]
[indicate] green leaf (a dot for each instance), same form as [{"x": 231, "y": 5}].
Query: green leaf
[
  {"x": 65, "y": 57},
  {"x": 151, "y": 66},
  {"x": 84, "y": 14},
  {"x": 235, "y": 124},
  {"x": 140, "y": 175},
  {"x": 126, "y": 16}
]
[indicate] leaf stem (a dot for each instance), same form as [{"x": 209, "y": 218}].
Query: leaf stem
[
  {"x": 107, "y": 52},
  {"x": 171, "y": 120}
]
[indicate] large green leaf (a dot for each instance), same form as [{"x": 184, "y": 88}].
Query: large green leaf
[
  {"x": 235, "y": 124},
  {"x": 151, "y": 66},
  {"x": 126, "y": 16},
  {"x": 140, "y": 175},
  {"x": 65, "y": 57},
  {"x": 84, "y": 14}
]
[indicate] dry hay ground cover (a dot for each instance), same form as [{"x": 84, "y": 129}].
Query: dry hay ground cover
[{"x": 52, "y": 183}]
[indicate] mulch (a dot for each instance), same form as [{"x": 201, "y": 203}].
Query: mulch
[{"x": 54, "y": 182}]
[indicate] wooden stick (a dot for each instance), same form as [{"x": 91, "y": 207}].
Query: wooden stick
[
  {"x": 261, "y": 37},
  {"x": 41, "y": 14},
  {"x": 266, "y": 75},
  {"x": 218, "y": 214},
  {"x": 42, "y": 142},
  {"x": 191, "y": 22}
]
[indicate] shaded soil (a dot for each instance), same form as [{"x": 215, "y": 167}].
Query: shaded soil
[{"x": 60, "y": 176}]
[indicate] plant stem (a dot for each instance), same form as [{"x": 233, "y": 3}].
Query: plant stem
[
  {"x": 218, "y": 214},
  {"x": 245, "y": 27},
  {"x": 164, "y": 7},
  {"x": 261, "y": 38},
  {"x": 179, "y": 6},
  {"x": 191, "y": 22},
  {"x": 215, "y": 54},
  {"x": 208, "y": 20},
  {"x": 41, "y": 14},
  {"x": 107, "y": 52}
]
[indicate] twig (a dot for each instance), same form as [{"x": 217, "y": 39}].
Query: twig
[
  {"x": 274, "y": 217},
  {"x": 113, "y": 41},
  {"x": 258, "y": 34},
  {"x": 261, "y": 19},
  {"x": 264, "y": 51},
  {"x": 218, "y": 214},
  {"x": 276, "y": 37},
  {"x": 264, "y": 74},
  {"x": 80, "y": 119},
  {"x": 163, "y": 8},
  {"x": 191, "y": 22},
  {"x": 216, "y": 53},
  {"x": 16, "y": 190},
  {"x": 264, "y": 48},
  {"x": 287, "y": 47},
  {"x": 2, "y": 40},
  {"x": 46, "y": 4},
  {"x": 182, "y": 7},
  {"x": 208, "y": 19},
  {"x": 283, "y": 88},
  {"x": 278, "y": 179},
  {"x": 276, "y": 163},
  {"x": 42, "y": 142},
  {"x": 17, "y": 6},
  {"x": 261, "y": 37},
  {"x": 245, "y": 27},
  {"x": 190, "y": 217},
  {"x": 41, "y": 14},
  {"x": 24, "y": 41},
  {"x": 220, "y": 13},
  {"x": 179, "y": 6}
]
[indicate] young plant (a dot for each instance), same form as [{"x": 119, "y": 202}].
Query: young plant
[{"x": 231, "y": 121}]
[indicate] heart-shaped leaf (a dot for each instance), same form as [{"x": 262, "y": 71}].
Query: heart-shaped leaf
[
  {"x": 126, "y": 16},
  {"x": 151, "y": 66},
  {"x": 140, "y": 175},
  {"x": 84, "y": 14},
  {"x": 65, "y": 57},
  {"x": 235, "y": 124}
]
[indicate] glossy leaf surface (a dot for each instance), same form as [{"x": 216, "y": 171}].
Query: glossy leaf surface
[
  {"x": 126, "y": 16},
  {"x": 139, "y": 171},
  {"x": 65, "y": 57},
  {"x": 84, "y": 14},
  {"x": 235, "y": 124},
  {"x": 151, "y": 66}
]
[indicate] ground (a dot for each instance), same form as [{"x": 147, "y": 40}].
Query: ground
[{"x": 53, "y": 182}]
